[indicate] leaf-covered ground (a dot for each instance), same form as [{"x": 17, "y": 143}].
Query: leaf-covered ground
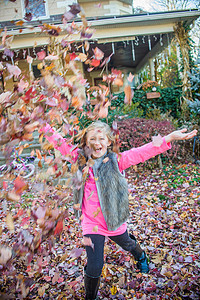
[{"x": 164, "y": 217}]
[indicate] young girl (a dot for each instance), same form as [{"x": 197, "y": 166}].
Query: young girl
[{"x": 102, "y": 194}]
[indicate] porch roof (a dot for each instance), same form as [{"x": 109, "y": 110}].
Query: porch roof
[{"x": 133, "y": 38}]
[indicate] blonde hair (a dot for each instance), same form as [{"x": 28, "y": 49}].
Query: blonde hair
[{"x": 82, "y": 136}]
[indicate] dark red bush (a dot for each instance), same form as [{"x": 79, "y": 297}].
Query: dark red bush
[{"x": 137, "y": 132}]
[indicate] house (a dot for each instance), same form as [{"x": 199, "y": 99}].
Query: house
[{"x": 133, "y": 39}]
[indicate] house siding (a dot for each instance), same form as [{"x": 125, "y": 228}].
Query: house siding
[
  {"x": 14, "y": 10},
  {"x": 10, "y": 10},
  {"x": 92, "y": 9}
]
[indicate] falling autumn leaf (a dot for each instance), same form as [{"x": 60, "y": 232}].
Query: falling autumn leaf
[
  {"x": 86, "y": 45},
  {"x": 5, "y": 254},
  {"x": 103, "y": 112},
  {"x": 76, "y": 102},
  {"x": 19, "y": 23},
  {"x": 157, "y": 140},
  {"x": 59, "y": 227},
  {"x": 128, "y": 95},
  {"x": 106, "y": 160},
  {"x": 95, "y": 228},
  {"x": 113, "y": 290},
  {"x": 13, "y": 70},
  {"x": 28, "y": 16},
  {"x": 130, "y": 77},
  {"x": 41, "y": 55},
  {"x": 52, "y": 57},
  {"x": 73, "y": 56},
  {"x": 118, "y": 82},
  {"x": 95, "y": 62},
  {"x": 11, "y": 196},
  {"x": 22, "y": 85},
  {"x": 19, "y": 186},
  {"x": 95, "y": 213},
  {"x": 87, "y": 242},
  {"x": 38, "y": 153},
  {"x": 82, "y": 57},
  {"x": 98, "y": 53}
]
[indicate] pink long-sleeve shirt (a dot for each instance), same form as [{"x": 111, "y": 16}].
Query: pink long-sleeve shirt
[{"x": 93, "y": 221}]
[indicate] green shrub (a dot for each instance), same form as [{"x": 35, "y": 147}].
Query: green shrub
[{"x": 169, "y": 100}]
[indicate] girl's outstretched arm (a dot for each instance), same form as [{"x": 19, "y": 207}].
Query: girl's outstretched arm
[
  {"x": 143, "y": 153},
  {"x": 180, "y": 135},
  {"x": 137, "y": 155}
]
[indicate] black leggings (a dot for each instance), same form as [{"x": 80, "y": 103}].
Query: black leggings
[{"x": 95, "y": 258}]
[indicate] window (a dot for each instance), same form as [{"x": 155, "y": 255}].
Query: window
[
  {"x": 36, "y": 72},
  {"x": 34, "y": 9}
]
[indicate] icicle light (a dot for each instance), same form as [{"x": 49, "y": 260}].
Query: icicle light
[
  {"x": 149, "y": 42},
  {"x": 161, "y": 40},
  {"x": 137, "y": 41},
  {"x": 133, "y": 50},
  {"x": 113, "y": 48}
]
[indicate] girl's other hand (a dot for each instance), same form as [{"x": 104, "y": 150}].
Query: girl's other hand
[{"x": 180, "y": 135}]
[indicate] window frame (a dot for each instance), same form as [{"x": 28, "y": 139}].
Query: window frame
[{"x": 36, "y": 18}]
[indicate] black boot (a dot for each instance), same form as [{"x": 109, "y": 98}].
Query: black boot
[
  {"x": 140, "y": 256},
  {"x": 91, "y": 287}
]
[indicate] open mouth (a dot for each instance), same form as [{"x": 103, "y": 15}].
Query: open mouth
[{"x": 97, "y": 150}]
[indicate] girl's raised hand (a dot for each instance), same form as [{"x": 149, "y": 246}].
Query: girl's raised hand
[{"x": 180, "y": 135}]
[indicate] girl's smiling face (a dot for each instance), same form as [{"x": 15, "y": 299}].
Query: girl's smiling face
[{"x": 98, "y": 142}]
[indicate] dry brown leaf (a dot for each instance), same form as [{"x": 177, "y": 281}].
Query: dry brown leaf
[
  {"x": 103, "y": 112},
  {"x": 128, "y": 94},
  {"x": 41, "y": 290},
  {"x": 86, "y": 45},
  {"x": 74, "y": 168},
  {"x": 77, "y": 206},
  {"x": 87, "y": 242},
  {"x": 31, "y": 127},
  {"x": 118, "y": 82},
  {"x": 105, "y": 160},
  {"x": 95, "y": 213},
  {"x": 11, "y": 196},
  {"x": 95, "y": 228},
  {"x": 82, "y": 57},
  {"x": 19, "y": 23},
  {"x": 38, "y": 154},
  {"x": 76, "y": 102},
  {"x": 10, "y": 223},
  {"x": 5, "y": 254}
]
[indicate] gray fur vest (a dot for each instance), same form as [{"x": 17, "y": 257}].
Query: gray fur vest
[{"x": 112, "y": 189}]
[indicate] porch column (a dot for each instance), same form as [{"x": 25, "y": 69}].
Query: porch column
[
  {"x": 136, "y": 79},
  {"x": 152, "y": 69},
  {"x": 178, "y": 52}
]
